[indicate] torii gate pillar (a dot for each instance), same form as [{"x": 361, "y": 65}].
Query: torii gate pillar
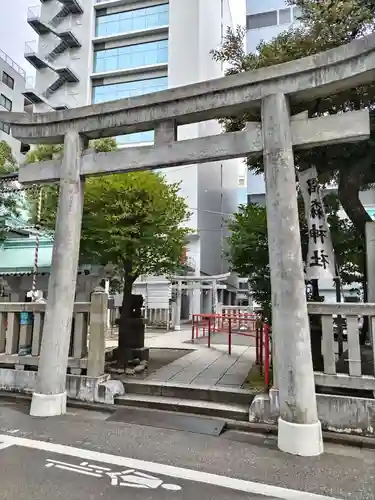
[
  {"x": 50, "y": 395},
  {"x": 298, "y": 421}
]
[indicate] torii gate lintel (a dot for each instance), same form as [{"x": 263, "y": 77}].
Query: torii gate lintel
[{"x": 269, "y": 90}]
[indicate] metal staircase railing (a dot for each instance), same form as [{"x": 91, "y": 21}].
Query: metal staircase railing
[
  {"x": 59, "y": 49},
  {"x": 69, "y": 7},
  {"x": 55, "y": 86}
]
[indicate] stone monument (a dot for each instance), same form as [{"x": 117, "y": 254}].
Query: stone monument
[{"x": 132, "y": 334}]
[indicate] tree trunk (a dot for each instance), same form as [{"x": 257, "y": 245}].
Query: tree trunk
[
  {"x": 349, "y": 187},
  {"x": 125, "y": 313},
  {"x": 130, "y": 326}
]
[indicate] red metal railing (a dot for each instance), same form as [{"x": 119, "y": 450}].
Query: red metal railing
[{"x": 242, "y": 324}]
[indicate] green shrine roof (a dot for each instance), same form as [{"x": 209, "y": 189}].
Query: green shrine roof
[{"x": 17, "y": 255}]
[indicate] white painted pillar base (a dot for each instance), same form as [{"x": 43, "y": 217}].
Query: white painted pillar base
[
  {"x": 304, "y": 440},
  {"x": 177, "y": 327},
  {"x": 48, "y": 405}
]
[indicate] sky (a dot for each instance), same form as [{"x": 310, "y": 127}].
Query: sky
[
  {"x": 238, "y": 9},
  {"x": 15, "y": 32}
]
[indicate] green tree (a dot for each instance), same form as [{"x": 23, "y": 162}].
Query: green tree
[
  {"x": 9, "y": 202},
  {"x": 8, "y": 163},
  {"x": 132, "y": 221},
  {"x": 248, "y": 246},
  {"x": 326, "y": 24}
]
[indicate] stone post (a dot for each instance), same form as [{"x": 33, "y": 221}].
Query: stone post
[
  {"x": 214, "y": 297},
  {"x": 98, "y": 321},
  {"x": 50, "y": 395},
  {"x": 177, "y": 325},
  {"x": 299, "y": 429}
]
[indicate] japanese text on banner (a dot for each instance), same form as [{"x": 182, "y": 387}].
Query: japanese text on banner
[{"x": 320, "y": 262}]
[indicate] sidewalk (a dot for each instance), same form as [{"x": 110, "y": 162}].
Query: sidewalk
[{"x": 202, "y": 366}]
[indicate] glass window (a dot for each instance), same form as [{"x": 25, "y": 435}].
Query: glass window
[
  {"x": 115, "y": 91},
  {"x": 5, "y": 102},
  {"x": 261, "y": 20},
  {"x": 128, "y": 89},
  {"x": 131, "y": 56},
  {"x": 132, "y": 20},
  {"x": 285, "y": 16},
  {"x": 8, "y": 80},
  {"x": 5, "y": 127}
]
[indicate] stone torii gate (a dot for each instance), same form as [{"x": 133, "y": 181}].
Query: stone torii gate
[
  {"x": 196, "y": 282},
  {"x": 273, "y": 91}
]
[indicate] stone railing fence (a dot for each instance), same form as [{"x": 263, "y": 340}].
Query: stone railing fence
[
  {"x": 356, "y": 369},
  {"x": 158, "y": 317},
  {"x": 155, "y": 317},
  {"x": 21, "y": 326},
  {"x": 233, "y": 310}
]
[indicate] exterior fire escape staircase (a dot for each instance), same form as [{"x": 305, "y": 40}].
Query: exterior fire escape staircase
[
  {"x": 68, "y": 7},
  {"x": 66, "y": 40}
]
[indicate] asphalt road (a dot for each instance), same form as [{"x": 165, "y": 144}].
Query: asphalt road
[{"x": 82, "y": 455}]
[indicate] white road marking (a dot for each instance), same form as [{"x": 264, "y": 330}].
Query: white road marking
[
  {"x": 166, "y": 470},
  {"x": 72, "y": 469},
  {"x": 105, "y": 469},
  {"x": 171, "y": 487}
]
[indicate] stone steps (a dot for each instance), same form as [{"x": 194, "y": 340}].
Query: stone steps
[
  {"x": 209, "y": 393},
  {"x": 196, "y": 407}
]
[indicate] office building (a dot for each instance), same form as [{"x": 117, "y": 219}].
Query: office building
[
  {"x": 264, "y": 21},
  {"x": 12, "y": 86},
  {"x": 90, "y": 51}
]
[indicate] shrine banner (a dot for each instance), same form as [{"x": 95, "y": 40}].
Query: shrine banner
[{"x": 320, "y": 262}]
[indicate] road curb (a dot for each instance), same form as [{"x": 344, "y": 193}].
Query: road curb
[
  {"x": 328, "y": 437},
  {"x": 247, "y": 427}
]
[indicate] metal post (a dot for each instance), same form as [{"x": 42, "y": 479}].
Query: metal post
[
  {"x": 230, "y": 336},
  {"x": 209, "y": 331}
]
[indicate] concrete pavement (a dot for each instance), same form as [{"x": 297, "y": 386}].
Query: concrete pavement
[
  {"x": 56, "y": 458},
  {"x": 202, "y": 366}
]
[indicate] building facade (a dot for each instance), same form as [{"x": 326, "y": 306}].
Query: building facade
[
  {"x": 90, "y": 51},
  {"x": 12, "y": 86},
  {"x": 264, "y": 21}
]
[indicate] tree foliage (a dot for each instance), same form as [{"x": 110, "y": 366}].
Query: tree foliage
[
  {"x": 8, "y": 163},
  {"x": 248, "y": 246},
  {"x": 9, "y": 202},
  {"x": 132, "y": 221},
  {"x": 325, "y": 24}
]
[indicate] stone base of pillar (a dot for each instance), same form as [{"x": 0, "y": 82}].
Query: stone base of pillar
[
  {"x": 127, "y": 354},
  {"x": 48, "y": 405},
  {"x": 142, "y": 353},
  {"x": 305, "y": 440},
  {"x": 177, "y": 327}
]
